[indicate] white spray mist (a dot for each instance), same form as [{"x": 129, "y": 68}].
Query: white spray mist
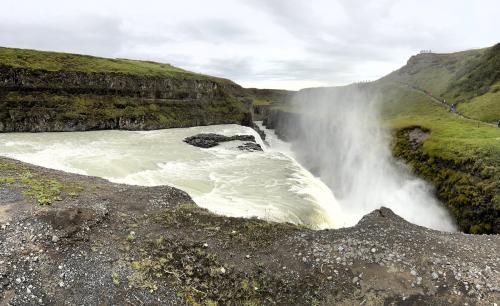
[{"x": 341, "y": 139}]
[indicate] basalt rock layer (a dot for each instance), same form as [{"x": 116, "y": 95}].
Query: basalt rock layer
[{"x": 39, "y": 100}]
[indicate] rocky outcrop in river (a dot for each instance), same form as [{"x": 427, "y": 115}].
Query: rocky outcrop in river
[{"x": 211, "y": 140}]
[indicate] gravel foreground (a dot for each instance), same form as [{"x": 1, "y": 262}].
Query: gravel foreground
[{"x": 99, "y": 243}]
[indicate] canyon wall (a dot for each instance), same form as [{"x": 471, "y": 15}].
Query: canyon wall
[{"x": 36, "y": 100}]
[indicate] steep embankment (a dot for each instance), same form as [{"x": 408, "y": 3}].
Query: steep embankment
[
  {"x": 103, "y": 243},
  {"x": 460, "y": 153},
  {"x": 47, "y": 91}
]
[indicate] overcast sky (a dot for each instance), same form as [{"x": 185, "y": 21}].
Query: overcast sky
[{"x": 288, "y": 44}]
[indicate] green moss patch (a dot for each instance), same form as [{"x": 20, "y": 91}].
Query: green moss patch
[{"x": 44, "y": 190}]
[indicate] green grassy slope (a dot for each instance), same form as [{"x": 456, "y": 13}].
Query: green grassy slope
[
  {"x": 451, "y": 137},
  {"x": 55, "y": 61},
  {"x": 477, "y": 76},
  {"x": 461, "y": 157},
  {"x": 469, "y": 79},
  {"x": 267, "y": 97}
]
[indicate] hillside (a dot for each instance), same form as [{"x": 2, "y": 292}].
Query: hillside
[
  {"x": 468, "y": 79},
  {"x": 48, "y": 91},
  {"x": 459, "y": 154}
]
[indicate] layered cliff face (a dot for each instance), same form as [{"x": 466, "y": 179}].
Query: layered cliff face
[{"x": 66, "y": 98}]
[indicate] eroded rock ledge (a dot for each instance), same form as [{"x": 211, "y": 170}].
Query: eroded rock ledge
[{"x": 104, "y": 243}]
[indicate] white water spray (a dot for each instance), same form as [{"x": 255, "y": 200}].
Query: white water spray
[{"x": 341, "y": 140}]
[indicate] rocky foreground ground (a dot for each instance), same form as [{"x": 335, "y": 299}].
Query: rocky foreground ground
[{"x": 67, "y": 239}]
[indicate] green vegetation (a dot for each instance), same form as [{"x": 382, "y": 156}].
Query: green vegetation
[
  {"x": 477, "y": 76},
  {"x": 7, "y": 180},
  {"x": 433, "y": 72},
  {"x": 115, "y": 278},
  {"x": 89, "y": 111},
  {"x": 468, "y": 79},
  {"x": 201, "y": 276},
  {"x": 485, "y": 107},
  {"x": 461, "y": 157},
  {"x": 262, "y": 97},
  {"x": 260, "y": 102},
  {"x": 73, "y": 102},
  {"x": 55, "y": 61},
  {"x": 44, "y": 190}
]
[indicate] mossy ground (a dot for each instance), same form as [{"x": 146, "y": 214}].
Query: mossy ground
[
  {"x": 201, "y": 274},
  {"x": 260, "y": 102},
  {"x": 44, "y": 190}
]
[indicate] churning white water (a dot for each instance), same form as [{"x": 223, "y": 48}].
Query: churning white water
[
  {"x": 270, "y": 185},
  {"x": 341, "y": 138}
]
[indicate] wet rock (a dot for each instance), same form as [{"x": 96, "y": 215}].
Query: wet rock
[
  {"x": 210, "y": 140},
  {"x": 250, "y": 146}
]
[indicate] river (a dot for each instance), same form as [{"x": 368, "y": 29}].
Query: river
[{"x": 269, "y": 185}]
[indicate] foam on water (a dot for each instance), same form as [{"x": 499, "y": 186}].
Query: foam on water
[{"x": 269, "y": 185}]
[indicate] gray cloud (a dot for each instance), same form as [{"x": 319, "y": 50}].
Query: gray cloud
[
  {"x": 256, "y": 42},
  {"x": 83, "y": 34}
]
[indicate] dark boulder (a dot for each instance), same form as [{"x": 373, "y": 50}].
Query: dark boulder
[
  {"x": 250, "y": 146},
  {"x": 211, "y": 140}
]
